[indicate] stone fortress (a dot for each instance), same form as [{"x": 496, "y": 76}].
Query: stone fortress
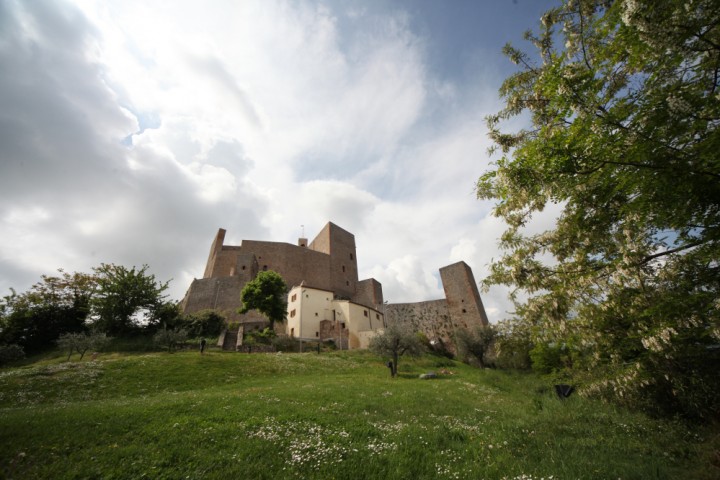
[{"x": 326, "y": 300}]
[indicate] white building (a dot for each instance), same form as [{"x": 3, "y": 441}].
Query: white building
[{"x": 316, "y": 315}]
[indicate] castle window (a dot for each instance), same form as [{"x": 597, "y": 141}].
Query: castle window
[
  {"x": 365, "y": 313},
  {"x": 292, "y": 332},
  {"x": 264, "y": 267},
  {"x": 342, "y": 325},
  {"x": 347, "y": 283},
  {"x": 316, "y": 314},
  {"x": 243, "y": 267},
  {"x": 292, "y": 313},
  {"x": 377, "y": 315},
  {"x": 464, "y": 311},
  {"x": 351, "y": 256},
  {"x": 343, "y": 268},
  {"x": 294, "y": 297},
  {"x": 317, "y": 334}
]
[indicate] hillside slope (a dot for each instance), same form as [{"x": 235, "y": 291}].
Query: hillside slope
[{"x": 338, "y": 415}]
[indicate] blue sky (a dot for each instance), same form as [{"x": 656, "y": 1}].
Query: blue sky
[{"x": 131, "y": 131}]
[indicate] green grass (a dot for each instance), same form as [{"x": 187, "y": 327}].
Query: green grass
[{"x": 331, "y": 416}]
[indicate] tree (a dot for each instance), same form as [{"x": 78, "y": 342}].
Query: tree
[
  {"x": 170, "y": 338},
  {"x": 266, "y": 293},
  {"x": 126, "y": 299},
  {"x": 475, "y": 344},
  {"x": 51, "y": 307},
  {"x": 624, "y": 140},
  {"x": 394, "y": 342},
  {"x": 81, "y": 342},
  {"x": 208, "y": 323}
]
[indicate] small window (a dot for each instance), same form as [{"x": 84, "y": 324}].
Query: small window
[
  {"x": 292, "y": 332},
  {"x": 243, "y": 267},
  {"x": 294, "y": 297},
  {"x": 292, "y": 313},
  {"x": 351, "y": 256},
  {"x": 343, "y": 268},
  {"x": 342, "y": 325},
  {"x": 347, "y": 283},
  {"x": 316, "y": 314},
  {"x": 317, "y": 334},
  {"x": 365, "y": 313},
  {"x": 264, "y": 267},
  {"x": 464, "y": 311},
  {"x": 377, "y": 316}
]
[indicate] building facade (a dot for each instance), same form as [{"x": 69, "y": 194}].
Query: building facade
[{"x": 327, "y": 300}]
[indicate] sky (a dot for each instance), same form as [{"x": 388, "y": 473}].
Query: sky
[{"x": 130, "y": 131}]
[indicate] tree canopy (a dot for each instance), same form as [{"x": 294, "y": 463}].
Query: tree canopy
[
  {"x": 396, "y": 341},
  {"x": 55, "y": 305},
  {"x": 126, "y": 298},
  {"x": 624, "y": 105},
  {"x": 266, "y": 293}
]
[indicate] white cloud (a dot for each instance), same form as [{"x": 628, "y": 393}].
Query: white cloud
[{"x": 254, "y": 116}]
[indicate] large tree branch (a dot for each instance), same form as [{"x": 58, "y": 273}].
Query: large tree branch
[{"x": 652, "y": 257}]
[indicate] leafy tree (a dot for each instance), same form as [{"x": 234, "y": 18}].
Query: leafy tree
[
  {"x": 266, "y": 293},
  {"x": 394, "y": 342},
  {"x": 512, "y": 344},
  {"x": 55, "y": 305},
  {"x": 624, "y": 102},
  {"x": 126, "y": 300},
  {"x": 475, "y": 344},
  {"x": 170, "y": 338},
  {"x": 206, "y": 323},
  {"x": 81, "y": 342}
]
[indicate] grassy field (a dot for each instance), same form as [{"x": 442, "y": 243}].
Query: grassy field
[{"x": 330, "y": 416}]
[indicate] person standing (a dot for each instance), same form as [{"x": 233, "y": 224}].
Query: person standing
[{"x": 202, "y": 346}]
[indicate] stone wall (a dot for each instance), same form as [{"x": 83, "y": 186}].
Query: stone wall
[
  {"x": 221, "y": 294},
  {"x": 431, "y": 318},
  {"x": 369, "y": 293},
  {"x": 463, "y": 299}
]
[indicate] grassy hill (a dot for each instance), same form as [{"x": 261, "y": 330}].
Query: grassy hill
[{"x": 329, "y": 416}]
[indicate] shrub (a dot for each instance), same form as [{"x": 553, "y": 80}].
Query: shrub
[
  {"x": 10, "y": 353},
  {"x": 170, "y": 338}
]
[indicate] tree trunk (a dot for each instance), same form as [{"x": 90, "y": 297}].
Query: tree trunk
[{"x": 395, "y": 364}]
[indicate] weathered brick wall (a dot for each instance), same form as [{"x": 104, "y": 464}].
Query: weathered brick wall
[
  {"x": 368, "y": 293},
  {"x": 463, "y": 299},
  {"x": 343, "y": 261},
  {"x": 295, "y": 264},
  {"x": 330, "y": 330},
  {"x": 221, "y": 294},
  {"x": 215, "y": 247},
  {"x": 431, "y": 318},
  {"x": 224, "y": 262}
]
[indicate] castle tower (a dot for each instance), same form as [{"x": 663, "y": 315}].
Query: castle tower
[
  {"x": 340, "y": 245},
  {"x": 463, "y": 299},
  {"x": 215, "y": 249}
]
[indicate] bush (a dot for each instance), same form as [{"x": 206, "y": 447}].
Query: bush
[
  {"x": 10, "y": 353},
  {"x": 284, "y": 343},
  {"x": 546, "y": 358},
  {"x": 206, "y": 323},
  {"x": 170, "y": 338}
]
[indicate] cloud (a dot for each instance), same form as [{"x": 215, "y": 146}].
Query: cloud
[
  {"x": 131, "y": 131},
  {"x": 407, "y": 279}
]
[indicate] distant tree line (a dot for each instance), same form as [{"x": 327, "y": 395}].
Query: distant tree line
[{"x": 112, "y": 301}]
